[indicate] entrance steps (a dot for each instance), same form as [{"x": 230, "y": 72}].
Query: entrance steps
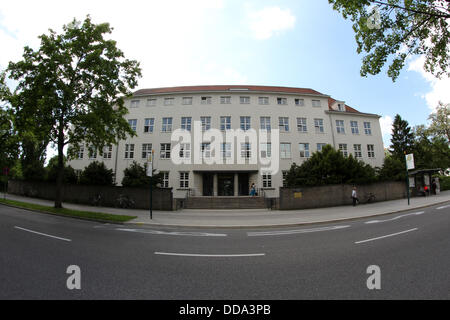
[{"x": 221, "y": 202}]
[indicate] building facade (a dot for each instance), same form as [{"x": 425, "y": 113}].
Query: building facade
[{"x": 306, "y": 119}]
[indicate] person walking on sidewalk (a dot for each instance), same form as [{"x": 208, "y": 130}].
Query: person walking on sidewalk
[
  {"x": 354, "y": 196},
  {"x": 253, "y": 190}
]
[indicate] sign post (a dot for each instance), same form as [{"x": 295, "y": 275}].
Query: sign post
[
  {"x": 150, "y": 174},
  {"x": 409, "y": 166}
]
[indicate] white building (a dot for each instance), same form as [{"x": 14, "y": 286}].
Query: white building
[{"x": 307, "y": 120}]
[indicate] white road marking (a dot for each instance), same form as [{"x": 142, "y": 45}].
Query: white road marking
[
  {"x": 192, "y": 234},
  {"x": 443, "y": 207},
  {"x": 210, "y": 255},
  {"x": 285, "y": 232},
  {"x": 42, "y": 234},
  {"x": 389, "y": 235},
  {"x": 405, "y": 215}
]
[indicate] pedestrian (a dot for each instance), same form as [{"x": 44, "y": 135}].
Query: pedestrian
[
  {"x": 253, "y": 190},
  {"x": 354, "y": 196},
  {"x": 434, "y": 186}
]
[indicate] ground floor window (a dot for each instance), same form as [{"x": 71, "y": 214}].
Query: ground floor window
[
  {"x": 267, "y": 180},
  {"x": 184, "y": 180}
]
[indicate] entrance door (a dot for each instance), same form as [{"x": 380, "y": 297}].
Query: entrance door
[
  {"x": 225, "y": 184},
  {"x": 208, "y": 184},
  {"x": 243, "y": 184}
]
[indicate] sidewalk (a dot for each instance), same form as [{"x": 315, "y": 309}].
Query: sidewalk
[{"x": 254, "y": 217}]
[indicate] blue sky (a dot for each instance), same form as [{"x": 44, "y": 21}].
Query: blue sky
[{"x": 284, "y": 43}]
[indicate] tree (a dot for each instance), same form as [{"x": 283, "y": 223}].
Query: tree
[
  {"x": 395, "y": 29},
  {"x": 96, "y": 174},
  {"x": 136, "y": 176},
  {"x": 330, "y": 166},
  {"x": 393, "y": 169},
  {"x": 402, "y": 140},
  {"x": 440, "y": 121},
  {"x": 430, "y": 151},
  {"x": 74, "y": 85}
]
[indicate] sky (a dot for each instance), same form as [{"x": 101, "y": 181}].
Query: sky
[{"x": 295, "y": 43}]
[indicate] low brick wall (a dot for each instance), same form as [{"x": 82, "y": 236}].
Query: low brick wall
[
  {"x": 337, "y": 195},
  {"x": 89, "y": 195}
]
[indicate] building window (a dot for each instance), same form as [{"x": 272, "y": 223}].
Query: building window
[
  {"x": 343, "y": 149},
  {"x": 146, "y": 150},
  {"x": 151, "y": 102},
  {"x": 165, "y": 180},
  {"x": 283, "y": 123},
  {"x": 225, "y": 123},
  {"x": 186, "y": 101},
  {"x": 244, "y": 100},
  {"x": 169, "y": 101},
  {"x": 367, "y": 128},
  {"x": 206, "y": 123},
  {"x": 184, "y": 180},
  {"x": 225, "y": 100},
  {"x": 340, "y": 126},
  {"x": 165, "y": 151},
  {"x": 133, "y": 124},
  {"x": 318, "y": 125},
  {"x": 246, "y": 151},
  {"x": 225, "y": 150},
  {"x": 304, "y": 150},
  {"x": 282, "y": 101},
  {"x": 265, "y": 123},
  {"x": 316, "y": 103},
  {"x": 129, "y": 151},
  {"x": 285, "y": 173},
  {"x": 320, "y": 146},
  {"x": 185, "y": 150},
  {"x": 341, "y": 107},
  {"x": 166, "y": 125},
  {"x": 285, "y": 150},
  {"x": 354, "y": 126},
  {"x": 206, "y": 100},
  {"x": 300, "y": 102},
  {"x": 263, "y": 100},
  {"x": 370, "y": 151},
  {"x": 245, "y": 123},
  {"x": 357, "y": 149},
  {"x": 206, "y": 150},
  {"x": 80, "y": 152},
  {"x": 135, "y": 103},
  {"x": 266, "y": 150},
  {"x": 267, "y": 180},
  {"x": 186, "y": 123},
  {"x": 92, "y": 152},
  {"x": 107, "y": 152},
  {"x": 301, "y": 125},
  {"x": 148, "y": 125}
]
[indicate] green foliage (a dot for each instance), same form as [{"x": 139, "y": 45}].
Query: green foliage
[
  {"x": 330, "y": 166},
  {"x": 402, "y": 140},
  {"x": 73, "y": 86},
  {"x": 430, "y": 151},
  {"x": 70, "y": 176},
  {"x": 440, "y": 122},
  {"x": 136, "y": 176},
  {"x": 398, "y": 29},
  {"x": 444, "y": 183},
  {"x": 96, "y": 173},
  {"x": 393, "y": 170}
]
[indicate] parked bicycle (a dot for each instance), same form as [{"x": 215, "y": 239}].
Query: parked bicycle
[{"x": 125, "y": 202}]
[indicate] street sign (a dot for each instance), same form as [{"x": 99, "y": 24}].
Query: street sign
[
  {"x": 149, "y": 170},
  {"x": 410, "y": 161}
]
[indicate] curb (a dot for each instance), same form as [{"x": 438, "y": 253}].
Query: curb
[{"x": 279, "y": 225}]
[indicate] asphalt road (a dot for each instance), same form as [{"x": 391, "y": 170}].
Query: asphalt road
[{"x": 323, "y": 261}]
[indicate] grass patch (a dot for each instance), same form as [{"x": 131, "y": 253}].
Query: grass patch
[{"x": 70, "y": 213}]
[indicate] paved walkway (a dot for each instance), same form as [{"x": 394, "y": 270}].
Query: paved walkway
[{"x": 254, "y": 217}]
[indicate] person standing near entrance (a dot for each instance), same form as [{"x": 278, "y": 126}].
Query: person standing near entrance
[
  {"x": 354, "y": 196},
  {"x": 253, "y": 190}
]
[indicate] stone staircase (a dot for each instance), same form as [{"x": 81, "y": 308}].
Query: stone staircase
[{"x": 242, "y": 202}]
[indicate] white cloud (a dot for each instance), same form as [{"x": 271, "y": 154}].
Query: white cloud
[
  {"x": 270, "y": 21},
  {"x": 386, "y": 129},
  {"x": 439, "y": 87}
]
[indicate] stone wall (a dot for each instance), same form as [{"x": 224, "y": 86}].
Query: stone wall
[
  {"x": 337, "y": 195},
  {"x": 105, "y": 196}
]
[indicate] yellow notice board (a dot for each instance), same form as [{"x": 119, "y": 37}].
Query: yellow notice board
[{"x": 298, "y": 195}]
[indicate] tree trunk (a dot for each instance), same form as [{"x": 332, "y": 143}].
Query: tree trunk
[{"x": 60, "y": 175}]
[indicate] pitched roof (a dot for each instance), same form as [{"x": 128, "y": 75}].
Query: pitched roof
[{"x": 332, "y": 101}]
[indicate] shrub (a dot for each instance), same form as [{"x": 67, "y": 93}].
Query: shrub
[{"x": 97, "y": 174}]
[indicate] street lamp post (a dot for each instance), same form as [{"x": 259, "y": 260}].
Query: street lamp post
[{"x": 150, "y": 174}]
